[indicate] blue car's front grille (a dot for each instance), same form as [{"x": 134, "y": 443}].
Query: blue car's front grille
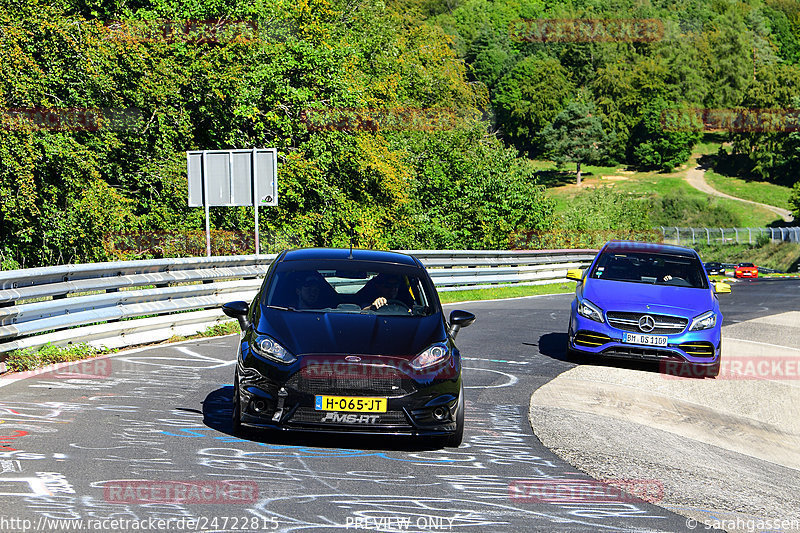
[
  {"x": 664, "y": 324},
  {"x": 635, "y": 352}
]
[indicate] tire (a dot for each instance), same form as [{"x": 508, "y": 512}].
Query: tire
[
  {"x": 236, "y": 416},
  {"x": 455, "y": 440},
  {"x": 574, "y": 356},
  {"x": 711, "y": 371}
]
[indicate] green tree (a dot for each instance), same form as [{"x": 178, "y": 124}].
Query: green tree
[
  {"x": 528, "y": 98},
  {"x": 664, "y": 138},
  {"x": 576, "y": 135}
]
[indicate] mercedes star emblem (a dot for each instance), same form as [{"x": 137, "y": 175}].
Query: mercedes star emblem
[{"x": 647, "y": 324}]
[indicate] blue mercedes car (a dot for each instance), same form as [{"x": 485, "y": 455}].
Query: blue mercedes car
[{"x": 649, "y": 302}]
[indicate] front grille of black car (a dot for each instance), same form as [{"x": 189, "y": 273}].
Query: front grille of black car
[
  {"x": 351, "y": 380},
  {"x": 307, "y": 415},
  {"x": 665, "y": 324},
  {"x": 650, "y": 354}
]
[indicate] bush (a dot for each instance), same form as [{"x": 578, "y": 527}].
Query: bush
[
  {"x": 33, "y": 358},
  {"x": 678, "y": 209}
]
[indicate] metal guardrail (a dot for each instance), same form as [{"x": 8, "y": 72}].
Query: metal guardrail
[
  {"x": 676, "y": 235},
  {"x": 134, "y": 302}
]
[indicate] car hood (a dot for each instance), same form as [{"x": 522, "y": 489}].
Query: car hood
[
  {"x": 642, "y": 297},
  {"x": 344, "y": 333}
]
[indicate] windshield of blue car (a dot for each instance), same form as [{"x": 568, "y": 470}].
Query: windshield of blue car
[
  {"x": 651, "y": 268},
  {"x": 381, "y": 289}
]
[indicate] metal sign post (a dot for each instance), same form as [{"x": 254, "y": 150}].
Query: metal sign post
[{"x": 233, "y": 178}]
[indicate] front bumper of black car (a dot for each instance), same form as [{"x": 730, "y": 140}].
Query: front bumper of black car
[{"x": 275, "y": 397}]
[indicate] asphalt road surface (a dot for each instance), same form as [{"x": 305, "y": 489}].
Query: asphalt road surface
[{"x": 141, "y": 441}]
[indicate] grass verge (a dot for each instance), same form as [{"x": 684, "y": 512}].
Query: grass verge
[
  {"x": 756, "y": 191},
  {"x": 33, "y": 358},
  {"x": 783, "y": 256},
  {"x": 506, "y": 292}
]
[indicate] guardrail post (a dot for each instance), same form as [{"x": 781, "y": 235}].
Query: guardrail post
[
  {"x": 708, "y": 236},
  {"x": 749, "y": 236},
  {"x": 736, "y": 232},
  {"x": 692, "y": 235},
  {"x": 771, "y": 234},
  {"x": 678, "y": 233},
  {"x": 782, "y": 237},
  {"x": 722, "y": 231}
]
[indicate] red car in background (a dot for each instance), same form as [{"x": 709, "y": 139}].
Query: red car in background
[{"x": 746, "y": 270}]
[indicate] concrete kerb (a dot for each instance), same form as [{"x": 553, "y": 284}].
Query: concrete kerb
[{"x": 713, "y": 443}]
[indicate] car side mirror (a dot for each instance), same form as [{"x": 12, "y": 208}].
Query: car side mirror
[
  {"x": 575, "y": 274},
  {"x": 238, "y": 310},
  {"x": 460, "y": 319},
  {"x": 722, "y": 288}
]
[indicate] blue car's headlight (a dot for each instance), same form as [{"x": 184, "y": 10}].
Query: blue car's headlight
[
  {"x": 705, "y": 321},
  {"x": 433, "y": 355},
  {"x": 268, "y": 348},
  {"x": 588, "y": 310}
]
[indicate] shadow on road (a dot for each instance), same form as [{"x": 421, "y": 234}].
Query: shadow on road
[
  {"x": 217, "y": 415},
  {"x": 554, "y": 345}
]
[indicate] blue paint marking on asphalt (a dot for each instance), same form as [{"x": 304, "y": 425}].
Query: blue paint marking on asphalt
[{"x": 192, "y": 433}]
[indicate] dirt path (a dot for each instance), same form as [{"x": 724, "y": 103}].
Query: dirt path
[{"x": 696, "y": 178}]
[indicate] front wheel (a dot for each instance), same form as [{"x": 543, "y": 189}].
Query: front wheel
[
  {"x": 236, "y": 416},
  {"x": 454, "y": 440}
]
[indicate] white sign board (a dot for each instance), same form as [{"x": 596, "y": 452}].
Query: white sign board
[{"x": 231, "y": 177}]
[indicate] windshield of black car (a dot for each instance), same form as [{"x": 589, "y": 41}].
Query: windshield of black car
[
  {"x": 651, "y": 268},
  {"x": 382, "y": 289}
]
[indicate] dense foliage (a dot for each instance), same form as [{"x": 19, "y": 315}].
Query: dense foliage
[
  {"x": 64, "y": 191},
  {"x": 496, "y": 73},
  {"x": 676, "y": 57}
]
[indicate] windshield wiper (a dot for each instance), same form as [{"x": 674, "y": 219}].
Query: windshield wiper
[{"x": 279, "y": 308}]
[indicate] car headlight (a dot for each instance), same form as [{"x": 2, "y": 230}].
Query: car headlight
[
  {"x": 588, "y": 310},
  {"x": 705, "y": 321},
  {"x": 432, "y": 355},
  {"x": 268, "y": 348}
]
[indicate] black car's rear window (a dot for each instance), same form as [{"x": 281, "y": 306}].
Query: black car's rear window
[
  {"x": 651, "y": 268},
  {"x": 350, "y": 287}
]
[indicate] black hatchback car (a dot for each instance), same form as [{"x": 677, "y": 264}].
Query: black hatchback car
[
  {"x": 353, "y": 341},
  {"x": 714, "y": 268}
]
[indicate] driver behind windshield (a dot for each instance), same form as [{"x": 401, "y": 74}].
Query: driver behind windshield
[
  {"x": 385, "y": 289},
  {"x": 312, "y": 292}
]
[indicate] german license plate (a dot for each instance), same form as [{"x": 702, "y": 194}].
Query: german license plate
[
  {"x": 647, "y": 340},
  {"x": 350, "y": 404}
]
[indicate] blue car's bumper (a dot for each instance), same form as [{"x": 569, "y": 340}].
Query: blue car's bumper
[{"x": 696, "y": 347}]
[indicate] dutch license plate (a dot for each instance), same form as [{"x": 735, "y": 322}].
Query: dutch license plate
[
  {"x": 647, "y": 340},
  {"x": 350, "y": 404}
]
